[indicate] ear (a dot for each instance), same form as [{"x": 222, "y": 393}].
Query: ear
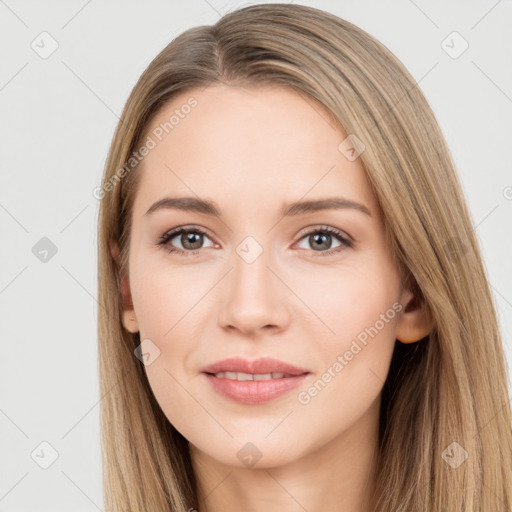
[
  {"x": 414, "y": 322},
  {"x": 129, "y": 319}
]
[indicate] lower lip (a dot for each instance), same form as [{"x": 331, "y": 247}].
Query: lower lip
[{"x": 254, "y": 391}]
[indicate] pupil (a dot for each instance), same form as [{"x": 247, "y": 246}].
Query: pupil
[
  {"x": 320, "y": 236},
  {"x": 192, "y": 238}
]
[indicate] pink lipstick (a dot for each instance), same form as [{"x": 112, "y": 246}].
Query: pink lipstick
[{"x": 253, "y": 382}]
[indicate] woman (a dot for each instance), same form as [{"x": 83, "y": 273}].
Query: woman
[{"x": 295, "y": 314}]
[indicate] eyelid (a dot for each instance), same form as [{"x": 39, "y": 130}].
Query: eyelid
[
  {"x": 186, "y": 227},
  {"x": 323, "y": 227}
]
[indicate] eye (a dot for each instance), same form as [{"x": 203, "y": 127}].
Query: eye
[
  {"x": 321, "y": 238},
  {"x": 190, "y": 238}
]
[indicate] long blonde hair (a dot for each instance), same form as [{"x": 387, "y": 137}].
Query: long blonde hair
[{"x": 445, "y": 441}]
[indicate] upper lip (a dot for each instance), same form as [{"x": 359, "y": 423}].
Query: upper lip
[{"x": 258, "y": 366}]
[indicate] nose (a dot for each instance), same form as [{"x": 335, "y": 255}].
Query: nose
[{"x": 253, "y": 298}]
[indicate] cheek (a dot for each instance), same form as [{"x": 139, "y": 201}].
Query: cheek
[
  {"x": 356, "y": 314},
  {"x": 355, "y": 367},
  {"x": 343, "y": 303},
  {"x": 168, "y": 305},
  {"x": 165, "y": 298}
]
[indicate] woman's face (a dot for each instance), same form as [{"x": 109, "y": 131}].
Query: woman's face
[{"x": 259, "y": 283}]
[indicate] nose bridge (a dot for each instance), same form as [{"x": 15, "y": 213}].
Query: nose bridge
[
  {"x": 251, "y": 265},
  {"x": 253, "y": 298},
  {"x": 251, "y": 275}
]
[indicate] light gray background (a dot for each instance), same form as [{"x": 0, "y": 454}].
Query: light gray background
[{"x": 56, "y": 122}]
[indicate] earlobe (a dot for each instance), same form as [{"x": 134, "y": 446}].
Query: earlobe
[
  {"x": 409, "y": 339},
  {"x": 129, "y": 319},
  {"x": 414, "y": 322},
  {"x": 114, "y": 251}
]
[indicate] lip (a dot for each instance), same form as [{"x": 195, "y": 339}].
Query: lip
[
  {"x": 252, "y": 392},
  {"x": 262, "y": 365}
]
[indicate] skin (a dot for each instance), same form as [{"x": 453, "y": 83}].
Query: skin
[{"x": 251, "y": 150}]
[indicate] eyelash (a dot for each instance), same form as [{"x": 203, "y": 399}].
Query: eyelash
[{"x": 167, "y": 237}]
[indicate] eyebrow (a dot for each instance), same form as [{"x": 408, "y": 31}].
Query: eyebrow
[{"x": 207, "y": 207}]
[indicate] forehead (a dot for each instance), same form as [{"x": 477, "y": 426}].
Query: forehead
[{"x": 259, "y": 146}]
